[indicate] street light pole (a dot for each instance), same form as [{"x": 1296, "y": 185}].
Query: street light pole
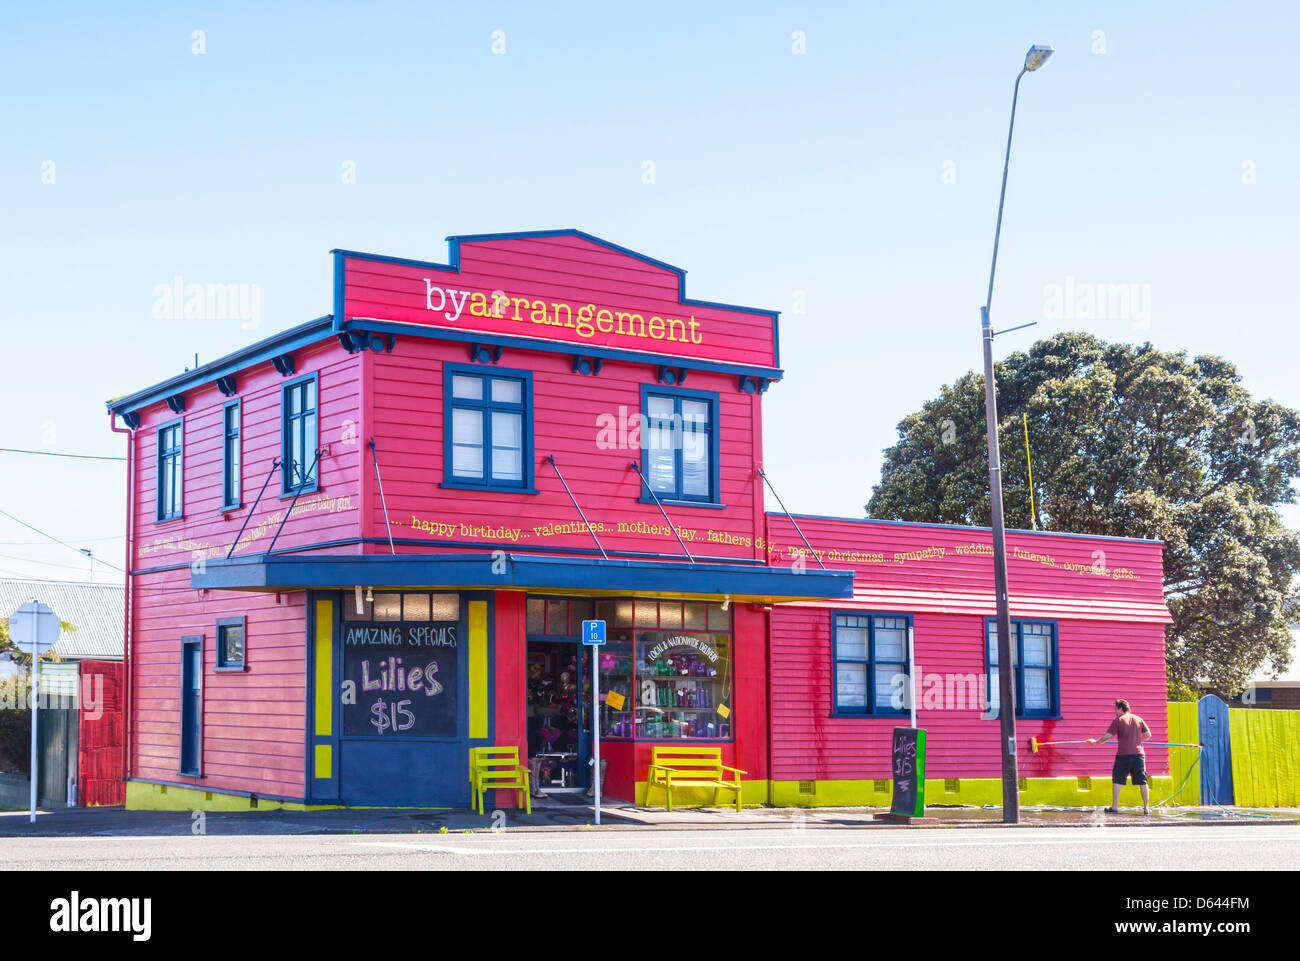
[{"x": 1037, "y": 56}]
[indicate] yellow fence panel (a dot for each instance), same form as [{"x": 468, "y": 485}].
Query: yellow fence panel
[
  {"x": 1184, "y": 729},
  {"x": 1265, "y": 757}
]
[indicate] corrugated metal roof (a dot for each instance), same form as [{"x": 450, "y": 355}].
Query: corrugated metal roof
[{"x": 94, "y": 609}]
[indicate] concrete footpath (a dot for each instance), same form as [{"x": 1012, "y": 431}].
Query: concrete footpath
[{"x": 569, "y": 814}]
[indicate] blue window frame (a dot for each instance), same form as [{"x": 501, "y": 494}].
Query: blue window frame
[
  {"x": 191, "y": 746},
  {"x": 1034, "y": 660},
  {"x": 171, "y": 471},
  {"x": 679, "y": 445},
  {"x": 231, "y": 466},
  {"x": 487, "y": 428},
  {"x": 299, "y": 436},
  {"x": 870, "y": 653},
  {"x": 231, "y": 644}
]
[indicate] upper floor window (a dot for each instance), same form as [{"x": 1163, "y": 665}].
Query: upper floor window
[
  {"x": 299, "y": 469},
  {"x": 680, "y": 444},
  {"x": 488, "y": 428},
  {"x": 170, "y": 471},
  {"x": 870, "y": 663},
  {"x": 230, "y": 451},
  {"x": 1033, "y": 659}
]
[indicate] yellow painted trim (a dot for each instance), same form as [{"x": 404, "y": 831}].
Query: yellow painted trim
[
  {"x": 142, "y": 796},
  {"x": 324, "y": 761},
  {"x": 478, "y": 670},
  {"x": 971, "y": 792},
  {"x": 324, "y": 674}
]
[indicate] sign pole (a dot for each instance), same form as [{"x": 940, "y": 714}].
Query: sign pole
[
  {"x": 911, "y": 675},
  {"x": 595, "y": 725},
  {"x": 34, "y": 628},
  {"x": 593, "y": 635},
  {"x": 36, "y": 713}
]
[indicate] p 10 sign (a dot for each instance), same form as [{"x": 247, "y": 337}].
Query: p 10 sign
[{"x": 554, "y": 290}]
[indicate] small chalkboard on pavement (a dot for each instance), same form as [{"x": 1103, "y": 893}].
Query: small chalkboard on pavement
[{"x": 908, "y": 770}]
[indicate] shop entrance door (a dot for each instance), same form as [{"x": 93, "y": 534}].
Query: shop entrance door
[{"x": 559, "y": 713}]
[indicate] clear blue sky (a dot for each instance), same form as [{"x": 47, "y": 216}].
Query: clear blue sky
[{"x": 862, "y": 173}]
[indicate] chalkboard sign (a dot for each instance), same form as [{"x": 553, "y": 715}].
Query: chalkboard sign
[
  {"x": 400, "y": 679},
  {"x": 908, "y": 766}
]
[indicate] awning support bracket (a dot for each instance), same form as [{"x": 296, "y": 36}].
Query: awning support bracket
[
  {"x": 275, "y": 463},
  {"x": 789, "y": 518},
  {"x": 671, "y": 526},
  {"x": 311, "y": 472},
  {"x": 550, "y": 459},
  {"x": 382, "y": 502}
]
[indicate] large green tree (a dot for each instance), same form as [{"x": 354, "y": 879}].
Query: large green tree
[{"x": 1130, "y": 441}]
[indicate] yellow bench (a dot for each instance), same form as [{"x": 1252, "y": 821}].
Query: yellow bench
[
  {"x": 674, "y": 766},
  {"x": 497, "y": 768}
]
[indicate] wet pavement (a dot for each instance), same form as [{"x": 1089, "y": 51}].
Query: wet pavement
[{"x": 573, "y": 812}]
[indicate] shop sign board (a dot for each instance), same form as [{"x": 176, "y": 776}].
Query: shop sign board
[
  {"x": 403, "y": 679},
  {"x": 908, "y": 767}
]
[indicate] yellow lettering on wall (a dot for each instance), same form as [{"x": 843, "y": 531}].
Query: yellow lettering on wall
[{"x": 630, "y": 318}]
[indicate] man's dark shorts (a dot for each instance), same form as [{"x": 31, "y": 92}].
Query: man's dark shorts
[{"x": 1129, "y": 764}]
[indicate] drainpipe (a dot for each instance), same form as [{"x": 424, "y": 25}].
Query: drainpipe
[{"x": 126, "y": 594}]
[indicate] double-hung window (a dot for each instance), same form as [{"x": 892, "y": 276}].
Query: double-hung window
[
  {"x": 299, "y": 470},
  {"x": 1033, "y": 660},
  {"x": 230, "y": 451},
  {"x": 679, "y": 440},
  {"x": 488, "y": 428},
  {"x": 170, "y": 471},
  {"x": 871, "y": 663}
]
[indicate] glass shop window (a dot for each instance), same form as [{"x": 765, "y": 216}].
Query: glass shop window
[
  {"x": 663, "y": 680},
  {"x": 405, "y": 606}
]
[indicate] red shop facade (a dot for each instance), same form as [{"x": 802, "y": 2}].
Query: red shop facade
[{"x": 364, "y": 545}]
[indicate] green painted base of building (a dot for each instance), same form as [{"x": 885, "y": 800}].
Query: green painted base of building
[
  {"x": 148, "y": 796},
  {"x": 968, "y": 792},
  {"x": 962, "y": 792}
]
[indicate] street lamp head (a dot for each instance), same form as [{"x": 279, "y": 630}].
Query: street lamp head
[{"x": 1038, "y": 55}]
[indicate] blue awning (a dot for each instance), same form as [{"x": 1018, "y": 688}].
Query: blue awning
[{"x": 503, "y": 571}]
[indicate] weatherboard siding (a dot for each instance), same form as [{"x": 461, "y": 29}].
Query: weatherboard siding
[
  {"x": 1111, "y": 645},
  {"x": 945, "y": 568},
  {"x": 1099, "y": 661},
  {"x": 559, "y": 269},
  {"x": 408, "y": 426},
  {"x": 205, "y": 530},
  {"x": 253, "y": 720}
]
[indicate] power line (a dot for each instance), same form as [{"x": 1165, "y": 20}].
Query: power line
[
  {"x": 84, "y": 540},
  {"x": 31, "y": 560},
  {"x": 50, "y": 453},
  {"x": 55, "y": 539}
]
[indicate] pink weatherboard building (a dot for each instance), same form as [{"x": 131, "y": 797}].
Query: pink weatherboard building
[{"x": 362, "y": 546}]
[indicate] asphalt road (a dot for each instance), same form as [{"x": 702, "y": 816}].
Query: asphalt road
[{"x": 1262, "y": 847}]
